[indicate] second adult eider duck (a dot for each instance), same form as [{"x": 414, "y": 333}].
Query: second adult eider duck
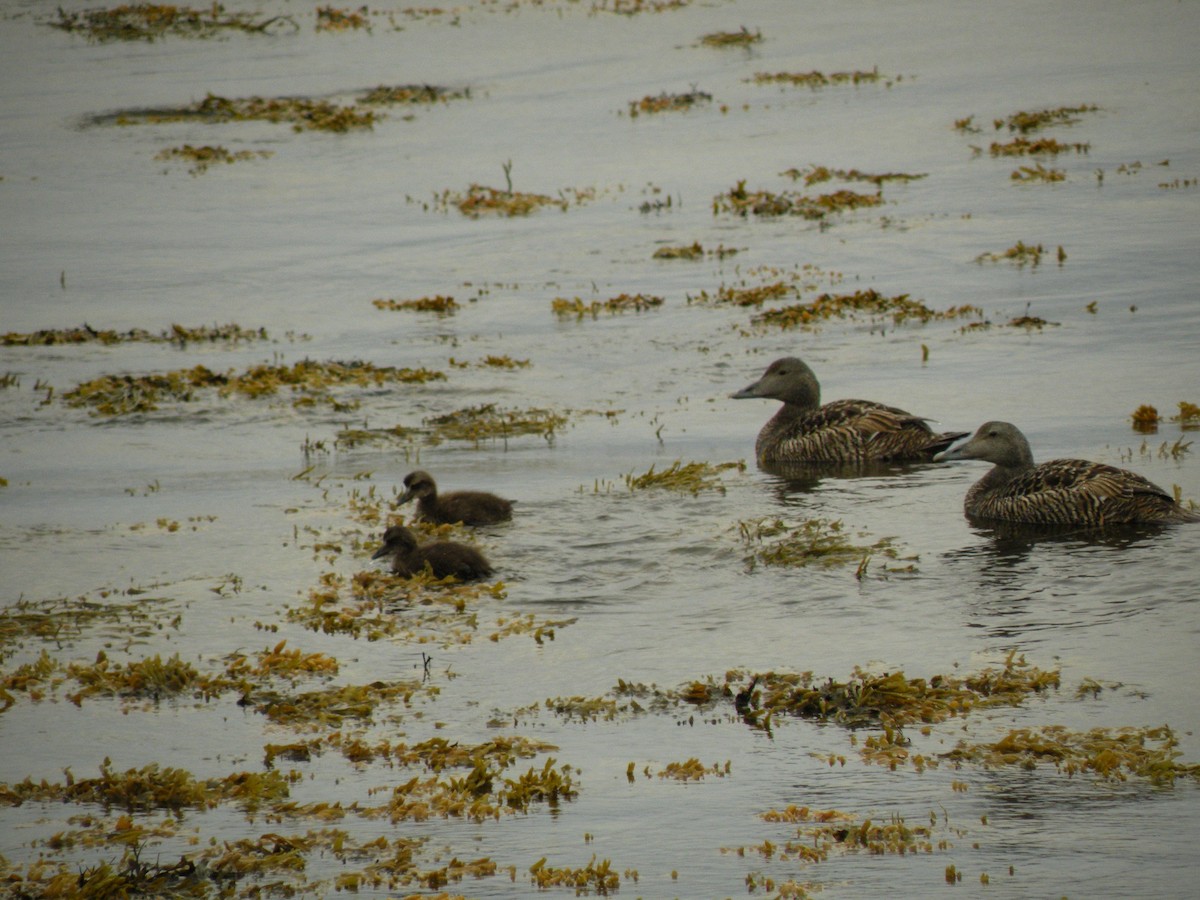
[
  {"x": 467, "y": 507},
  {"x": 443, "y": 558},
  {"x": 842, "y": 431},
  {"x": 1057, "y": 492}
]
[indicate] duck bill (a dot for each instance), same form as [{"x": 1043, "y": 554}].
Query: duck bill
[
  {"x": 382, "y": 551},
  {"x": 959, "y": 452},
  {"x": 749, "y": 392},
  {"x": 405, "y": 497}
]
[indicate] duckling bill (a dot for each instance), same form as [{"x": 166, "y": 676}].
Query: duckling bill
[
  {"x": 841, "y": 431},
  {"x": 443, "y": 558},
  {"x": 1059, "y": 491},
  {"x": 466, "y": 507}
]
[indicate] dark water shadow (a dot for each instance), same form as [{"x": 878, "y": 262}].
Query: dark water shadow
[
  {"x": 805, "y": 478},
  {"x": 1024, "y": 580}
]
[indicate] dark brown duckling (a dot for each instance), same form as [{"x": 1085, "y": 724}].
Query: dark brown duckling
[
  {"x": 467, "y": 507},
  {"x": 442, "y": 557},
  {"x": 841, "y": 431}
]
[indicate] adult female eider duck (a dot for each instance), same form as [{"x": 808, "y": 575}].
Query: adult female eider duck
[
  {"x": 467, "y": 507},
  {"x": 1057, "y": 492},
  {"x": 442, "y": 557},
  {"x": 842, "y": 431}
]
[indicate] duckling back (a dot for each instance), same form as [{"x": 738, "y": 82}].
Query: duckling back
[{"x": 466, "y": 507}]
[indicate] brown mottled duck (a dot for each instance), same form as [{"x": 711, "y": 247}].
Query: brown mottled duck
[
  {"x": 1057, "y": 492},
  {"x": 842, "y": 431},
  {"x": 442, "y": 557},
  {"x": 467, "y": 507}
]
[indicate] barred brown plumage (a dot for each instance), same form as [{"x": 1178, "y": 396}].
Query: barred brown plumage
[
  {"x": 842, "y": 431},
  {"x": 1060, "y": 491}
]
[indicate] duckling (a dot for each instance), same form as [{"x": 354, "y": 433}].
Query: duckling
[
  {"x": 467, "y": 507},
  {"x": 1057, "y": 492},
  {"x": 442, "y": 557},
  {"x": 842, "y": 431}
]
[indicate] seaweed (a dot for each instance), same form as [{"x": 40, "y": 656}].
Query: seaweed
[
  {"x": 665, "y": 102},
  {"x": 819, "y": 174},
  {"x": 742, "y": 38},
  {"x": 816, "y": 79},
  {"x": 1022, "y": 146},
  {"x": 742, "y": 202},
  {"x": 176, "y": 334},
  {"x": 692, "y": 477},
  {"x": 578, "y": 309},
  {"x": 900, "y": 308},
  {"x": 489, "y": 422},
  {"x": 819, "y": 542},
  {"x": 1025, "y": 122},
  {"x": 1019, "y": 253},
  {"x": 150, "y": 21},
  {"x": 443, "y": 306},
  {"x": 330, "y": 18},
  {"x": 412, "y": 94},
  {"x": 203, "y": 157},
  {"x": 1037, "y": 172},
  {"x": 302, "y": 113},
  {"x": 310, "y": 382},
  {"x": 633, "y": 7},
  {"x": 1111, "y": 755}
]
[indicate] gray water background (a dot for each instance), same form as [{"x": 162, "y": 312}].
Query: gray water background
[{"x": 96, "y": 230}]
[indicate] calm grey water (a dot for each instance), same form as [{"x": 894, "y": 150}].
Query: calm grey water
[{"x": 96, "y": 230}]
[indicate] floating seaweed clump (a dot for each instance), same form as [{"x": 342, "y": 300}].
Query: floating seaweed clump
[
  {"x": 889, "y": 700},
  {"x": 665, "y": 102},
  {"x": 1022, "y": 146},
  {"x": 688, "y": 251},
  {"x": 819, "y": 542},
  {"x": 149, "y": 788},
  {"x": 176, "y": 334},
  {"x": 633, "y": 7},
  {"x": 1021, "y": 254},
  {"x": 479, "y": 200},
  {"x": 578, "y": 309},
  {"x": 900, "y": 308},
  {"x": 752, "y": 296},
  {"x": 443, "y": 306},
  {"x": 820, "y": 174},
  {"x": 330, "y": 18},
  {"x": 823, "y": 832},
  {"x": 598, "y": 878},
  {"x": 742, "y": 38},
  {"x": 692, "y": 477},
  {"x": 693, "y": 770},
  {"x": 1189, "y": 415},
  {"x": 1025, "y": 122},
  {"x": 412, "y": 94},
  {"x": 1113, "y": 755},
  {"x": 303, "y": 114},
  {"x": 148, "y": 21},
  {"x": 815, "y": 79},
  {"x": 203, "y": 157},
  {"x": 1037, "y": 172},
  {"x": 1145, "y": 419},
  {"x": 115, "y": 395},
  {"x": 742, "y": 202},
  {"x": 488, "y": 422}
]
